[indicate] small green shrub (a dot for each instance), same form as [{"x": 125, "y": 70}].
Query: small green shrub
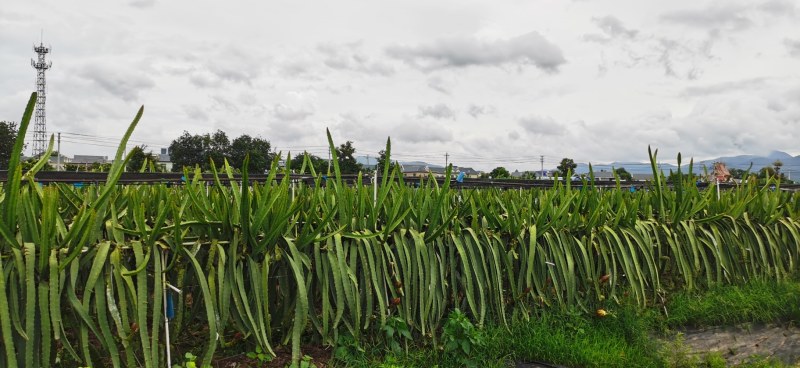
[
  {"x": 348, "y": 350},
  {"x": 188, "y": 361},
  {"x": 677, "y": 354},
  {"x": 260, "y": 355},
  {"x": 395, "y": 331},
  {"x": 460, "y": 337}
]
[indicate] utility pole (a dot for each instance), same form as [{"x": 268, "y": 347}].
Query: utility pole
[
  {"x": 58, "y": 166},
  {"x": 446, "y": 157},
  {"x": 541, "y": 161}
]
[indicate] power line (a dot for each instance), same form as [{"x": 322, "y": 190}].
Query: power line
[{"x": 92, "y": 137}]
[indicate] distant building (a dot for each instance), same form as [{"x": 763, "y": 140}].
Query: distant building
[
  {"x": 89, "y": 159},
  {"x": 420, "y": 171},
  {"x": 59, "y": 164},
  {"x": 524, "y": 174},
  {"x": 415, "y": 171},
  {"x": 642, "y": 177},
  {"x": 86, "y": 161},
  {"x": 438, "y": 172},
  {"x": 603, "y": 175},
  {"x": 469, "y": 172},
  {"x": 164, "y": 160}
]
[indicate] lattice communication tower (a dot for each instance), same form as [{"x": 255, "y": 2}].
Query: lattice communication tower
[{"x": 40, "y": 124}]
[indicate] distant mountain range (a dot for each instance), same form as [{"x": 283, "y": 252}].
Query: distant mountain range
[{"x": 791, "y": 164}]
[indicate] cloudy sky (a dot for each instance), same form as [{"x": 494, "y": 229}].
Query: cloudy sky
[{"x": 488, "y": 82}]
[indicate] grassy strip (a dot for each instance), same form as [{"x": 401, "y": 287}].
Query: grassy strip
[
  {"x": 577, "y": 340},
  {"x": 622, "y": 339},
  {"x": 570, "y": 339},
  {"x": 755, "y": 301}
]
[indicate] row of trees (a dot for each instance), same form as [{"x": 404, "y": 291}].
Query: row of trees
[
  {"x": 189, "y": 150},
  {"x": 200, "y": 150},
  {"x": 566, "y": 166}
]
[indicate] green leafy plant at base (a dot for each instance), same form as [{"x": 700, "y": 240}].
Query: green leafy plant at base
[
  {"x": 764, "y": 362},
  {"x": 715, "y": 360},
  {"x": 396, "y": 331},
  {"x": 259, "y": 355},
  {"x": 306, "y": 362},
  {"x": 188, "y": 361},
  {"x": 677, "y": 354},
  {"x": 348, "y": 350},
  {"x": 460, "y": 337}
]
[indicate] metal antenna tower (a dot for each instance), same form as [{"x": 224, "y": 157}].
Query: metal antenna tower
[{"x": 40, "y": 125}]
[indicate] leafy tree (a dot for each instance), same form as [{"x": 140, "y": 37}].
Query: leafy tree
[
  {"x": 623, "y": 174},
  {"x": 347, "y": 161},
  {"x": 737, "y": 173},
  {"x": 500, "y": 173},
  {"x": 93, "y": 167},
  {"x": 190, "y": 150},
  {"x": 528, "y": 175},
  {"x": 259, "y": 150},
  {"x": 139, "y": 157},
  {"x": 567, "y": 165},
  {"x": 29, "y": 163},
  {"x": 381, "y": 161},
  {"x": 320, "y": 164},
  {"x": 777, "y": 165},
  {"x": 216, "y": 147},
  {"x": 770, "y": 172},
  {"x": 672, "y": 177},
  {"x": 8, "y": 135},
  {"x": 187, "y": 150}
]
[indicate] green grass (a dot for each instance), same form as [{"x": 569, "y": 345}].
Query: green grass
[
  {"x": 571, "y": 339},
  {"x": 622, "y": 339},
  {"x": 578, "y": 339},
  {"x": 755, "y": 302}
]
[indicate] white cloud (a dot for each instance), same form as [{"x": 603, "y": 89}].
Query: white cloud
[
  {"x": 541, "y": 125},
  {"x": 195, "y": 112},
  {"x": 417, "y": 132},
  {"x": 477, "y": 110},
  {"x": 142, "y": 3},
  {"x": 291, "y": 113},
  {"x": 351, "y": 57},
  {"x": 120, "y": 81},
  {"x": 613, "y": 27},
  {"x": 438, "y": 111},
  {"x": 438, "y": 84},
  {"x": 793, "y": 46},
  {"x": 527, "y": 49},
  {"x": 779, "y": 7},
  {"x": 727, "y": 15}
]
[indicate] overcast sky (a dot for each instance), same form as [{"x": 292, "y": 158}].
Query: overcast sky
[{"x": 488, "y": 82}]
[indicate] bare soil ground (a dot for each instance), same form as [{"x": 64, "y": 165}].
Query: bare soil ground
[{"x": 739, "y": 343}]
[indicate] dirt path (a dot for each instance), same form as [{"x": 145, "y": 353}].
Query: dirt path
[{"x": 738, "y": 343}]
